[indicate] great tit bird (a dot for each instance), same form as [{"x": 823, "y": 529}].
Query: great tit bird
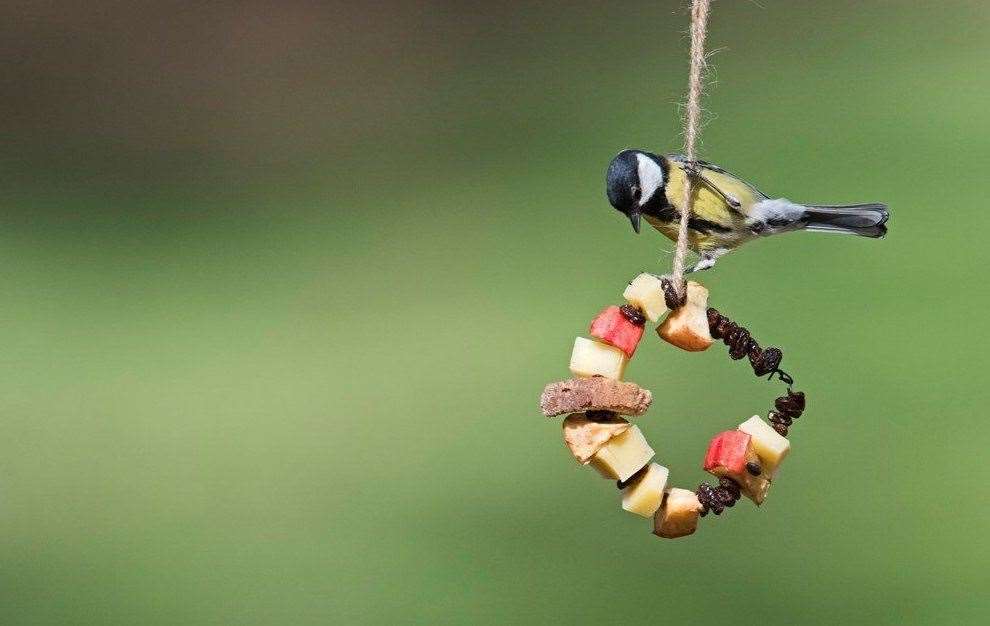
[{"x": 726, "y": 211}]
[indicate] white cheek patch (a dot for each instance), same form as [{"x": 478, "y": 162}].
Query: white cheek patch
[{"x": 650, "y": 177}]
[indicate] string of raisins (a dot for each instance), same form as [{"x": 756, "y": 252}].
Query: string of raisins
[
  {"x": 764, "y": 361},
  {"x": 786, "y": 409},
  {"x": 741, "y": 344},
  {"x": 671, "y": 298},
  {"x": 600, "y": 415},
  {"x": 717, "y": 499},
  {"x": 633, "y": 314}
]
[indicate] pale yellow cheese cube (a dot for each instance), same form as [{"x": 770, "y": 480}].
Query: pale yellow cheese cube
[
  {"x": 623, "y": 455},
  {"x": 645, "y": 293},
  {"x": 679, "y": 514},
  {"x": 645, "y": 493},
  {"x": 769, "y": 445},
  {"x": 590, "y": 358}
]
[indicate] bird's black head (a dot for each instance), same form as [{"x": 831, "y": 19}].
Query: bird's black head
[{"x": 635, "y": 183}]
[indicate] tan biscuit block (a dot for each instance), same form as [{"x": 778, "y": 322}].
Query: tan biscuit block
[
  {"x": 756, "y": 489},
  {"x": 687, "y": 327},
  {"x": 585, "y": 436},
  {"x": 594, "y": 394},
  {"x": 678, "y": 515}
]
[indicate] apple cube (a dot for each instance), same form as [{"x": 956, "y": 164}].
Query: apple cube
[
  {"x": 591, "y": 358},
  {"x": 612, "y": 327},
  {"x": 729, "y": 454},
  {"x": 644, "y": 494},
  {"x": 678, "y": 515},
  {"x": 770, "y": 446},
  {"x": 623, "y": 455},
  {"x": 687, "y": 326},
  {"x": 585, "y": 436},
  {"x": 646, "y": 294}
]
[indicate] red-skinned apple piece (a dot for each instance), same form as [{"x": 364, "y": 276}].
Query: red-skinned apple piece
[
  {"x": 613, "y": 328},
  {"x": 727, "y": 452}
]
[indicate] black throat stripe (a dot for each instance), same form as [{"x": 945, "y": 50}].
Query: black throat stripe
[
  {"x": 704, "y": 226},
  {"x": 669, "y": 215}
]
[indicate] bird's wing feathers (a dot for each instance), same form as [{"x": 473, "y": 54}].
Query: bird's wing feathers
[
  {"x": 708, "y": 204},
  {"x": 707, "y": 166}
]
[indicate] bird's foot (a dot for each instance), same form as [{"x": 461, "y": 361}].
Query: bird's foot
[
  {"x": 704, "y": 263},
  {"x": 693, "y": 168},
  {"x": 707, "y": 260}
]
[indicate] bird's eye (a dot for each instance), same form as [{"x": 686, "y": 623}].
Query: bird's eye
[{"x": 636, "y": 192}]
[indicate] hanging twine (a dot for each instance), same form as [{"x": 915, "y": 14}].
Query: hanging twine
[{"x": 699, "y": 28}]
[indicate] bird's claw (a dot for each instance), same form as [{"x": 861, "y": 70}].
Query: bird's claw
[
  {"x": 704, "y": 263},
  {"x": 692, "y": 168}
]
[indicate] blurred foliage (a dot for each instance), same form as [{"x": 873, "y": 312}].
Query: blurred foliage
[{"x": 282, "y": 283}]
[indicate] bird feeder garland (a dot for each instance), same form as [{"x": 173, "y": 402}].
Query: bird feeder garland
[{"x": 597, "y": 401}]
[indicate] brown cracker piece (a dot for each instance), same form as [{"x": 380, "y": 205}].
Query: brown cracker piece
[{"x": 594, "y": 394}]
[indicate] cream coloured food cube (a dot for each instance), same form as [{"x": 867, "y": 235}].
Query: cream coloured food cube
[
  {"x": 645, "y": 493},
  {"x": 584, "y": 436},
  {"x": 769, "y": 445},
  {"x": 590, "y": 358},
  {"x": 678, "y": 515},
  {"x": 646, "y": 294},
  {"x": 623, "y": 455},
  {"x": 687, "y": 327}
]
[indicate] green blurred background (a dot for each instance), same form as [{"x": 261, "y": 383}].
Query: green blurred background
[{"x": 282, "y": 282}]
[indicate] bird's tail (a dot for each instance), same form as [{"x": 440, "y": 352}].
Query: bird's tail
[{"x": 865, "y": 220}]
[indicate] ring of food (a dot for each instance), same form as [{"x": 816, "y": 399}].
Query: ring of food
[{"x": 597, "y": 403}]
